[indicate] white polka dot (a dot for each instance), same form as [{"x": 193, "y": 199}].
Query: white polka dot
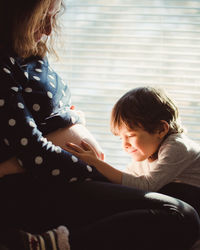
[
  {"x": 50, "y": 68},
  {"x": 12, "y": 60},
  {"x": 32, "y": 124},
  {"x": 15, "y": 89},
  {"x": 50, "y": 76},
  {"x": 50, "y": 95},
  {"x": 63, "y": 92},
  {"x": 12, "y": 122},
  {"x": 89, "y": 168},
  {"x": 2, "y": 102},
  {"x": 26, "y": 74},
  {"x": 58, "y": 150},
  {"x": 61, "y": 103},
  {"x": 28, "y": 90},
  {"x": 20, "y": 162},
  {"x": 53, "y": 147},
  {"x": 20, "y": 105},
  {"x": 63, "y": 82},
  {"x": 7, "y": 70},
  {"x": 74, "y": 158},
  {"x": 24, "y": 141},
  {"x": 55, "y": 172},
  {"x": 40, "y": 61},
  {"x": 73, "y": 179},
  {"x": 44, "y": 140},
  {"x": 52, "y": 84},
  {"x": 73, "y": 119},
  {"x": 38, "y": 160},
  {"x": 36, "y": 78},
  {"x": 38, "y": 70},
  {"x": 36, "y": 107},
  {"x": 6, "y": 142},
  {"x": 88, "y": 179},
  {"x": 46, "y": 143}
]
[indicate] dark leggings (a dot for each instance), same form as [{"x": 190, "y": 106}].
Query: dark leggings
[
  {"x": 185, "y": 192},
  {"x": 99, "y": 215}
]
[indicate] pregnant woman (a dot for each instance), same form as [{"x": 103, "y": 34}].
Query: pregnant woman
[{"x": 42, "y": 185}]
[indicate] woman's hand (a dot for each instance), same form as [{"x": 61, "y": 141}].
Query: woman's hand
[{"x": 85, "y": 152}]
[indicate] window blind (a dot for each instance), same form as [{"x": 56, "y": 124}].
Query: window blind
[{"x": 109, "y": 47}]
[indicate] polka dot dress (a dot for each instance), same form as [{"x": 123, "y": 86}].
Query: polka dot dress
[{"x": 35, "y": 101}]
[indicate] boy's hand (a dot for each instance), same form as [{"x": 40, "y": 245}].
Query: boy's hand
[{"x": 86, "y": 153}]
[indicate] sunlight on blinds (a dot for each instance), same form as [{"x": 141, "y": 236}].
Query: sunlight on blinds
[{"x": 109, "y": 47}]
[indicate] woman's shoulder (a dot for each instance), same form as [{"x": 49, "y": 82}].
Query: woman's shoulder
[
  {"x": 7, "y": 68},
  {"x": 12, "y": 67},
  {"x": 9, "y": 62},
  {"x": 9, "y": 57}
]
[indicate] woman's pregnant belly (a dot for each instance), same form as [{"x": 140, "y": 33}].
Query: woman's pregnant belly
[
  {"x": 60, "y": 137},
  {"x": 74, "y": 134}
]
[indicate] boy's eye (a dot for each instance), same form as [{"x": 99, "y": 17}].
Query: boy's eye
[{"x": 131, "y": 135}]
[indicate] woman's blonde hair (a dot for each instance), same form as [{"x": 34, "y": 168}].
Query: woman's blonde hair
[{"x": 18, "y": 21}]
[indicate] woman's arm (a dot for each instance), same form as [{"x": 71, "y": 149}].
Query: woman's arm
[
  {"x": 26, "y": 116},
  {"x": 10, "y": 166}
]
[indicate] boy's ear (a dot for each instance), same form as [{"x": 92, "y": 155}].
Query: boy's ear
[{"x": 164, "y": 129}]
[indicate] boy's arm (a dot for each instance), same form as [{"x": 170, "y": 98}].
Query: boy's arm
[
  {"x": 87, "y": 154},
  {"x": 111, "y": 173}
]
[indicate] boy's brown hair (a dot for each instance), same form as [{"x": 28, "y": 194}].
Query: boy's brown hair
[
  {"x": 18, "y": 22},
  {"x": 145, "y": 107}
]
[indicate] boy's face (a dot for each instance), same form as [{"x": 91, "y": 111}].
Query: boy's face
[{"x": 139, "y": 143}]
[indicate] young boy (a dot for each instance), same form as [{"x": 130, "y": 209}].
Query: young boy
[{"x": 164, "y": 159}]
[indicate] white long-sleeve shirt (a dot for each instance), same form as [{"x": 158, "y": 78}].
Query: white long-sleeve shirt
[{"x": 178, "y": 161}]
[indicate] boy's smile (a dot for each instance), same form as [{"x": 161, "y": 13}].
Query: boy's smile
[{"x": 139, "y": 143}]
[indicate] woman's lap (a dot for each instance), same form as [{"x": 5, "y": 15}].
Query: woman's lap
[
  {"x": 185, "y": 192},
  {"x": 93, "y": 208}
]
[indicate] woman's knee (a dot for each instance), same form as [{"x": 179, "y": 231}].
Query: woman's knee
[{"x": 183, "y": 216}]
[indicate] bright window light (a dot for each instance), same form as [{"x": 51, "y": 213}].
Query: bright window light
[{"x": 109, "y": 47}]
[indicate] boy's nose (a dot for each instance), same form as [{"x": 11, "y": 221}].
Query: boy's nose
[{"x": 126, "y": 144}]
